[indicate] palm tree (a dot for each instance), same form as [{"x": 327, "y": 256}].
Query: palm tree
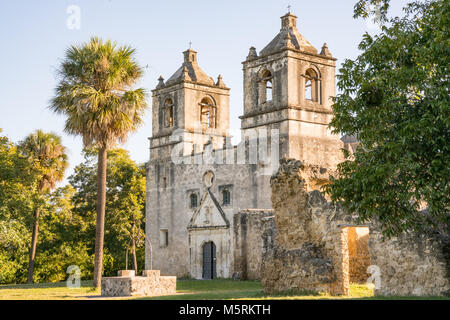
[
  {"x": 95, "y": 95},
  {"x": 48, "y": 160}
]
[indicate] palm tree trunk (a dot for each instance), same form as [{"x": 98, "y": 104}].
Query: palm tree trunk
[
  {"x": 100, "y": 227},
  {"x": 33, "y": 245}
]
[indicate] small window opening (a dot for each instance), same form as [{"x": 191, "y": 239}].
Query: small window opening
[
  {"x": 269, "y": 90},
  {"x": 312, "y": 86},
  {"x": 207, "y": 114},
  {"x": 164, "y": 238},
  {"x": 308, "y": 91},
  {"x": 226, "y": 195},
  {"x": 194, "y": 200},
  {"x": 168, "y": 113},
  {"x": 266, "y": 87}
]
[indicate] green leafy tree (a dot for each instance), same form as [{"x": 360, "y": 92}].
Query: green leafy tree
[
  {"x": 95, "y": 95},
  {"x": 48, "y": 161},
  {"x": 62, "y": 232},
  {"x": 375, "y": 9},
  {"x": 14, "y": 246},
  {"x": 16, "y": 208},
  {"x": 124, "y": 227},
  {"x": 16, "y": 181},
  {"x": 395, "y": 98},
  {"x": 127, "y": 203},
  {"x": 62, "y": 243}
]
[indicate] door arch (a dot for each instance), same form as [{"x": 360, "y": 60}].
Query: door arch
[{"x": 209, "y": 261}]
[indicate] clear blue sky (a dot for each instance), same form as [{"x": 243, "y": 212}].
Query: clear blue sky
[{"x": 34, "y": 37}]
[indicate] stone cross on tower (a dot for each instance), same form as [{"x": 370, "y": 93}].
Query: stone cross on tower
[{"x": 289, "y": 8}]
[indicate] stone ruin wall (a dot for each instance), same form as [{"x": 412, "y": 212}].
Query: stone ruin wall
[
  {"x": 410, "y": 265},
  {"x": 309, "y": 248},
  {"x": 319, "y": 247},
  {"x": 253, "y": 233}
]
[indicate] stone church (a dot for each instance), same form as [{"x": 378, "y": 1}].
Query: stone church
[{"x": 208, "y": 200}]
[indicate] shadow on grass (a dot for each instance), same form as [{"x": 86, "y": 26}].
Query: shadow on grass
[
  {"x": 249, "y": 290},
  {"x": 260, "y": 296},
  {"x": 218, "y": 295},
  {"x": 47, "y": 285},
  {"x": 226, "y": 290},
  {"x": 196, "y": 286},
  {"x": 219, "y": 289}
]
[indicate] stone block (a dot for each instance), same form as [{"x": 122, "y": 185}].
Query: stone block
[
  {"x": 151, "y": 284},
  {"x": 151, "y": 273},
  {"x": 126, "y": 273}
]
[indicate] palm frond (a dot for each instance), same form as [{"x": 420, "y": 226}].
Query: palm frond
[{"x": 95, "y": 92}]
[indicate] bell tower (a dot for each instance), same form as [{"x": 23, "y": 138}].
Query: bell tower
[
  {"x": 288, "y": 87},
  {"x": 190, "y": 109},
  {"x": 189, "y": 112}
]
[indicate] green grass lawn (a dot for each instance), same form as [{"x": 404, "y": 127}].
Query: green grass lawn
[
  {"x": 186, "y": 289},
  {"x": 47, "y": 291},
  {"x": 228, "y": 289}
]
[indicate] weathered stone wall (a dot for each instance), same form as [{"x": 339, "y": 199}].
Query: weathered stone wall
[
  {"x": 318, "y": 246},
  {"x": 253, "y": 233},
  {"x": 409, "y": 265},
  {"x": 310, "y": 250},
  {"x": 295, "y": 124},
  {"x": 150, "y": 284},
  {"x": 169, "y": 209}
]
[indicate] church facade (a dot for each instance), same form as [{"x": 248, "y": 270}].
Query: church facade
[{"x": 200, "y": 187}]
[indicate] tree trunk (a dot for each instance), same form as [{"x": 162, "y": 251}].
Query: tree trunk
[
  {"x": 33, "y": 245},
  {"x": 100, "y": 227},
  {"x": 133, "y": 249}
]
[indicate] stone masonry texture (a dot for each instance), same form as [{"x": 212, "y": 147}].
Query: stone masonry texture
[
  {"x": 150, "y": 284},
  {"x": 319, "y": 247}
]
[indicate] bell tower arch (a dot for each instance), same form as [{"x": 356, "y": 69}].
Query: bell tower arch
[
  {"x": 288, "y": 87},
  {"x": 191, "y": 105}
]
